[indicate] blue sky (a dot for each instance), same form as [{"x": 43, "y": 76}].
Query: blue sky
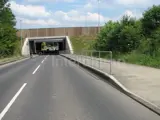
[{"x": 72, "y": 13}]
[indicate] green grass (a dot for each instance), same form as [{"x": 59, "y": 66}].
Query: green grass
[
  {"x": 85, "y": 42},
  {"x": 9, "y": 59},
  {"x": 140, "y": 59},
  {"x": 82, "y": 42}
]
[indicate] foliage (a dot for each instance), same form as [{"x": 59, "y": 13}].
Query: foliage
[
  {"x": 82, "y": 42},
  {"x": 151, "y": 19},
  {"x": 8, "y": 39},
  {"x": 135, "y": 41},
  {"x": 43, "y": 45}
]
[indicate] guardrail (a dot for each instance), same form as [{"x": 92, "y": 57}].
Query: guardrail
[{"x": 90, "y": 56}]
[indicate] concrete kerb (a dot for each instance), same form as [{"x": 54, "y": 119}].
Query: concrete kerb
[{"x": 113, "y": 81}]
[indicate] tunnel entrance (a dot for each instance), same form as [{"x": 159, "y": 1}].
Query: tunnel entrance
[{"x": 47, "y": 46}]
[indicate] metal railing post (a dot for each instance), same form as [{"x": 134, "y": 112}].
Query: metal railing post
[
  {"x": 91, "y": 58},
  {"x": 111, "y": 63},
  {"x": 81, "y": 56},
  {"x": 99, "y": 59},
  {"x": 85, "y": 58}
]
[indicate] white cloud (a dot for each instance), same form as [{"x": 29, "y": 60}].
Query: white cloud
[
  {"x": 135, "y": 14},
  {"x": 130, "y": 2},
  {"x": 36, "y": 1},
  {"x": 129, "y": 13},
  {"x": 88, "y": 6},
  {"x": 94, "y": 17},
  {"x": 61, "y": 18},
  {"x": 33, "y": 15},
  {"x": 75, "y": 16},
  {"x": 137, "y": 3},
  {"x": 40, "y": 22},
  {"x": 29, "y": 10}
]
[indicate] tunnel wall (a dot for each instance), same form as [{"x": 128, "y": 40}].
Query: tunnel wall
[
  {"x": 25, "y": 49},
  {"x": 69, "y": 47}
]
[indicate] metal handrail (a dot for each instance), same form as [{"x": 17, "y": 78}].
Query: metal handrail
[{"x": 78, "y": 55}]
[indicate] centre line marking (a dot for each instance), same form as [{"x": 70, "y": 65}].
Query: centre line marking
[
  {"x": 12, "y": 101},
  {"x": 42, "y": 61},
  {"x": 36, "y": 69},
  {"x": 46, "y": 57}
]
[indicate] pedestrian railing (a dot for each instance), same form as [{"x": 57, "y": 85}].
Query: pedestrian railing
[{"x": 93, "y": 58}]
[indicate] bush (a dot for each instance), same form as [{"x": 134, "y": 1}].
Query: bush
[{"x": 131, "y": 40}]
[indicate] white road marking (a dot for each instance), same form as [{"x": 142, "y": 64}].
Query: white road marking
[
  {"x": 36, "y": 69},
  {"x": 42, "y": 61},
  {"x": 12, "y": 101},
  {"x": 46, "y": 57}
]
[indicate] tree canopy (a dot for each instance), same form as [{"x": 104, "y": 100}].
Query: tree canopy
[
  {"x": 8, "y": 38},
  {"x": 128, "y": 34}
]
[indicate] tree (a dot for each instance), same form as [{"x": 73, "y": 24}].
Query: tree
[
  {"x": 155, "y": 43},
  {"x": 102, "y": 38},
  {"x": 43, "y": 45},
  {"x": 151, "y": 19},
  {"x": 7, "y": 18},
  {"x": 127, "y": 20},
  {"x": 129, "y": 38},
  {"x": 8, "y": 38}
]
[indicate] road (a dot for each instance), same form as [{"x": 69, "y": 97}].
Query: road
[{"x": 53, "y": 88}]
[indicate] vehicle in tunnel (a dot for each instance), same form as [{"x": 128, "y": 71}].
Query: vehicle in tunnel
[{"x": 47, "y": 46}]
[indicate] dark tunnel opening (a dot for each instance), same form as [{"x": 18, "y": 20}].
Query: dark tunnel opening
[{"x": 44, "y": 47}]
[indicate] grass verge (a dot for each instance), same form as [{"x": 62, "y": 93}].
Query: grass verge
[
  {"x": 10, "y": 59},
  {"x": 82, "y": 42},
  {"x": 139, "y": 59}
]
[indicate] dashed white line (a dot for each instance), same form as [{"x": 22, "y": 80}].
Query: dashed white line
[
  {"x": 46, "y": 57},
  {"x": 42, "y": 61},
  {"x": 12, "y": 101},
  {"x": 36, "y": 69}
]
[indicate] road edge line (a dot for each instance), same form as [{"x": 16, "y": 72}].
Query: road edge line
[{"x": 111, "y": 79}]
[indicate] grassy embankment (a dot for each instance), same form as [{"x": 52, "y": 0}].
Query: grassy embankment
[
  {"x": 82, "y": 42},
  {"x": 9, "y": 58},
  {"x": 85, "y": 42}
]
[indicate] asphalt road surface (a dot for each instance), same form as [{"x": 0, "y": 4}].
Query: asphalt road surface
[{"x": 53, "y": 88}]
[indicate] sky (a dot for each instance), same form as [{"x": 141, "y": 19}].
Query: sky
[{"x": 75, "y": 13}]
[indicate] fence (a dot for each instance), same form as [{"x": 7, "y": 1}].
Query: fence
[
  {"x": 97, "y": 59},
  {"x": 70, "y": 31}
]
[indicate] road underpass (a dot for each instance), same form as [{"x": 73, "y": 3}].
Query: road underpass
[{"x": 53, "y": 45}]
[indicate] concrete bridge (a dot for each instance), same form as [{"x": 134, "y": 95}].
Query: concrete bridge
[{"x": 33, "y": 44}]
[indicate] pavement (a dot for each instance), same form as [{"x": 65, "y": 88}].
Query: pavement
[
  {"x": 141, "y": 80},
  {"x": 53, "y": 88}
]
